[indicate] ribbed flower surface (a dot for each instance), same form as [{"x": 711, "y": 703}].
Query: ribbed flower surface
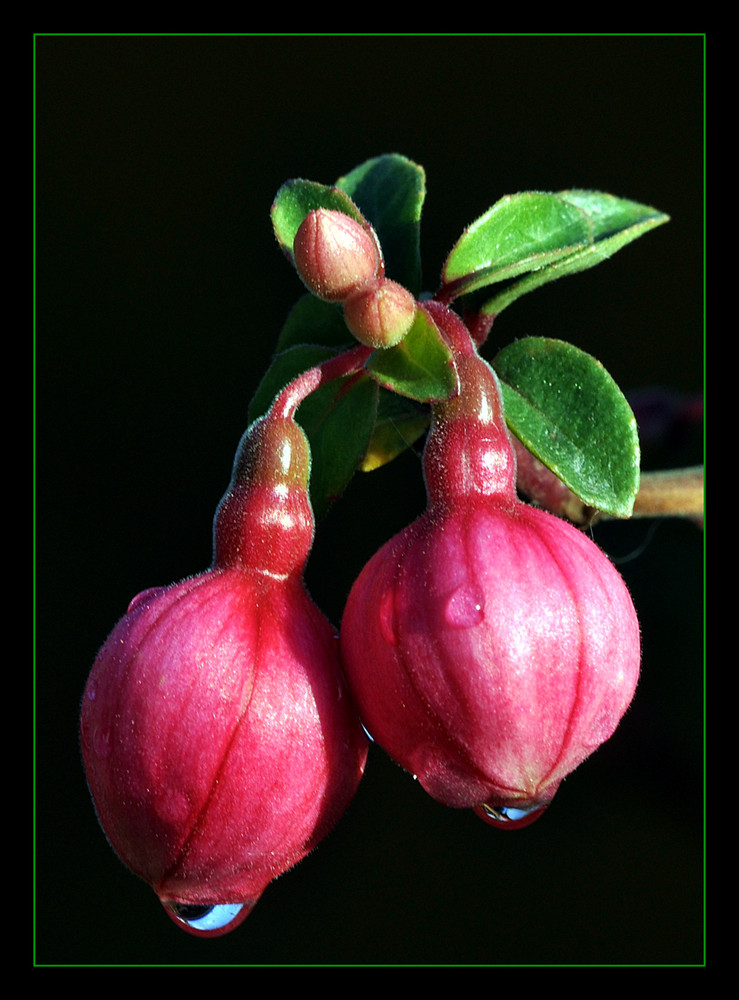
[
  {"x": 218, "y": 737},
  {"x": 490, "y": 651},
  {"x": 218, "y": 742},
  {"x": 490, "y": 646},
  {"x": 334, "y": 254}
]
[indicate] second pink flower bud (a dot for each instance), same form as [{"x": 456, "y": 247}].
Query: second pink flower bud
[{"x": 380, "y": 313}]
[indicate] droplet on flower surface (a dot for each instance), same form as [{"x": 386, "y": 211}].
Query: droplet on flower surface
[
  {"x": 509, "y": 817},
  {"x": 101, "y": 742},
  {"x": 464, "y": 608},
  {"x": 206, "y": 920},
  {"x": 143, "y": 597},
  {"x": 387, "y": 618}
]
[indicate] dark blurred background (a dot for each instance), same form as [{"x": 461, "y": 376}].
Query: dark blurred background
[{"x": 160, "y": 293}]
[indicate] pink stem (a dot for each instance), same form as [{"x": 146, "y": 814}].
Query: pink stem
[
  {"x": 456, "y": 334},
  {"x": 304, "y": 384}
]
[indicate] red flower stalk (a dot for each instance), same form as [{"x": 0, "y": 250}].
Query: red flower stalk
[
  {"x": 218, "y": 738},
  {"x": 490, "y": 646}
]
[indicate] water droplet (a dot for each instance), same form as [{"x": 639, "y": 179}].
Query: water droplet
[
  {"x": 207, "y": 920},
  {"x": 143, "y": 597},
  {"x": 368, "y": 734},
  {"x": 509, "y": 817},
  {"x": 387, "y": 617},
  {"x": 101, "y": 742},
  {"x": 464, "y": 608}
]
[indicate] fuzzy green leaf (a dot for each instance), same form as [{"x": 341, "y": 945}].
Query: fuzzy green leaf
[
  {"x": 400, "y": 423},
  {"x": 520, "y": 233},
  {"x": 567, "y": 410},
  {"x": 420, "y": 367},
  {"x": 615, "y": 223},
  {"x": 339, "y": 424},
  {"x": 296, "y": 198},
  {"x": 544, "y": 236},
  {"x": 390, "y": 191},
  {"x": 313, "y": 321}
]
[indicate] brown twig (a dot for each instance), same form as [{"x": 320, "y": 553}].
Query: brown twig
[{"x": 672, "y": 493}]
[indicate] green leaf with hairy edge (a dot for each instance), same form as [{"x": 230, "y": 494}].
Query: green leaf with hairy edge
[
  {"x": 608, "y": 214},
  {"x": 421, "y": 366},
  {"x": 313, "y": 321},
  {"x": 296, "y": 199},
  {"x": 339, "y": 424},
  {"x": 521, "y": 232},
  {"x": 567, "y": 410},
  {"x": 390, "y": 191},
  {"x": 400, "y": 423},
  {"x": 338, "y": 419},
  {"x": 616, "y": 223}
]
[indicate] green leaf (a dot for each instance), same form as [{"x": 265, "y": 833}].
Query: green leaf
[
  {"x": 521, "y": 232},
  {"x": 615, "y": 223},
  {"x": 400, "y": 423},
  {"x": 544, "y": 236},
  {"x": 338, "y": 419},
  {"x": 567, "y": 410},
  {"x": 339, "y": 422},
  {"x": 296, "y": 198},
  {"x": 313, "y": 321},
  {"x": 390, "y": 191},
  {"x": 420, "y": 366}
]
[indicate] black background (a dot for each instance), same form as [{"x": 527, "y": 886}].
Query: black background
[{"x": 160, "y": 292}]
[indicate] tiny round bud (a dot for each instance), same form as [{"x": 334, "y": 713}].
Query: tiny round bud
[
  {"x": 334, "y": 254},
  {"x": 380, "y": 313}
]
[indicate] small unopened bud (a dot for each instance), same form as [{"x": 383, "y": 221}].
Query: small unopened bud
[
  {"x": 380, "y": 313},
  {"x": 334, "y": 254}
]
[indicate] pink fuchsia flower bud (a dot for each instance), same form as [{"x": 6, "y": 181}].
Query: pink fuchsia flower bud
[
  {"x": 334, "y": 254},
  {"x": 491, "y": 647},
  {"x": 380, "y": 313},
  {"x": 218, "y": 738}
]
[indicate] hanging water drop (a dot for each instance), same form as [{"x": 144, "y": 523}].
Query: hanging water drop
[
  {"x": 367, "y": 733},
  {"x": 387, "y": 618},
  {"x": 205, "y": 920},
  {"x": 509, "y": 817}
]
